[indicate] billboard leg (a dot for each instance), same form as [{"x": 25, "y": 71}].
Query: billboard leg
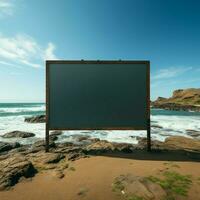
[
  {"x": 47, "y": 139},
  {"x": 148, "y": 135}
]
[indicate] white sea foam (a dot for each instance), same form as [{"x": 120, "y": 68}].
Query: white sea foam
[
  {"x": 22, "y": 109},
  {"x": 174, "y": 125},
  {"x": 13, "y": 123},
  {"x": 178, "y": 123},
  {"x": 112, "y": 136},
  {"x": 171, "y": 125}
]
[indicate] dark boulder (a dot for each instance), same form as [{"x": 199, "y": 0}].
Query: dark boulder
[
  {"x": 193, "y": 133},
  {"x": 36, "y": 119},
  {"x": 40, "y": 146},
  {"x": 56, "y": 133},
  {"x": 18, "y": 134},
  {"x": 52, "y": 158},
  {"x": 53, "y": 137},
  {"x": 12, "y": 169},
  {"x": 5, "y": 146}
]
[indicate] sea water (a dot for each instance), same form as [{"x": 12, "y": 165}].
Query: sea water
[{"x": 170, "y": 122}]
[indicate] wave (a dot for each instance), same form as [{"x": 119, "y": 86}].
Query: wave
[
  {"x": 22, "y": 109},
  {"x": 177, "y": 123},
  {"x": 162, "y": 126}
]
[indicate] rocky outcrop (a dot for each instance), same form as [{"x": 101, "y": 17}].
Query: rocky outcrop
[
  {"x": 187, "y": 100},
  {"x": 25, "y": 160},
  {"x": 5, "y": 146},
  {"x": 12, "y": 169},
  {"x": 136, "y": 187},
  {"x": 103, "y": 146},
  {"x": 182, "y": 143},
  {"x": 155, "y": 144},
  {"x": 48, "y": 158},
  {"x": 18, "y": 134},
  {"x": 40, "y": 145},
  {"x": 172, "y": 143},
  {"x": 175, "y": 106},
  {"x": 99, "y": 147},
  {"x": 189, "y": 96},
  {"x": 36, "y": 119}
]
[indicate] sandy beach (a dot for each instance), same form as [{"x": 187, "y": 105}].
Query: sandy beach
[{"x": 92, "y": 178}]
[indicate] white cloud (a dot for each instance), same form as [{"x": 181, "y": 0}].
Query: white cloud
[
  {"x": 3, "y": 63},
  {"x": 49, "y": 52},
  {"x": 164, "y": 81},
  {"x": 170, "y": 72},
  {"x": 6, "y": 7},
  {"x": 24, "y": 50}
]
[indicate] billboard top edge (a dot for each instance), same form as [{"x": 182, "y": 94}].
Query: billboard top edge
[{"x": 98, "y": 61}]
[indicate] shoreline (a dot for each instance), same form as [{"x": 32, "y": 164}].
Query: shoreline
[
  {"x": 81, "y": 181},
  {"x": 90, "y": 169}
]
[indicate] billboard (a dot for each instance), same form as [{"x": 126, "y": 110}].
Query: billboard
[{"x": 97, "y": 95}]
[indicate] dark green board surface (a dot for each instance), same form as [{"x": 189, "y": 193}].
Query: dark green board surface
[{"x": 97, "y": 96}]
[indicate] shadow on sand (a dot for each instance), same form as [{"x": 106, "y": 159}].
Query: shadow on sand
[{"x": 155, "y": 155}]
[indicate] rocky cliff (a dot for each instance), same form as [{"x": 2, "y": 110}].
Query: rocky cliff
[{"x": 182, "y": 99}]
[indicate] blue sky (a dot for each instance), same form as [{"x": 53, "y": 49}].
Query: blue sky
[{"x": 165, "y": 32}]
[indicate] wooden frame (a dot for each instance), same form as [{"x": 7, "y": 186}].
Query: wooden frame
[{"x": 48, "y": 62}]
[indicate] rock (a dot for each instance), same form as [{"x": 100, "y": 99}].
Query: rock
[
  {"x": 136, "y": 187},
  {"x": 82, "y": 138},
  {"x": 47, "y": 158},
  {"x": 36, "y": 119},
  {"x": 124, "y": 147},
  {"x": 69, "y": 149},
  {"x": 94, "y": 139},
  {"x": 176, "y": 107},
  {"x": 53, "y": 137},
  {"x": 56, "y": 133},
  {"x": 66, "y": 144},
  {"x": 75, "y": 156},
  {"x": 183, "y": 143},
  {"x": 139, "y": 138},
  {"x": 18, "y": 134},
  {"x": 5, "y": 146},
  {"x": 104, "y": 146},
  {"x": 193, "y": 133},
  {"x": 21, "y": 149},
  {"x": 156, "y": 126},
  {"x": 187, "y": 100},
  {"x": 12, "y": 169},
  {"x": 58, "y": 174},
  {"x": 40, "y": 145},
  {"x": 155, "y": 144},
  {"x": 99, "y": 147},
  {"x": 52, "y": 158}
]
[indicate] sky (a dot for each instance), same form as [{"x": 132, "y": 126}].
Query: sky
[{"x": 165, "y": 32}]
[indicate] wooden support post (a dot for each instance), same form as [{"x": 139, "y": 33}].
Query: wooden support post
[
  {"x": 47, "y": 109},
  {"x": 47, "y": 138},
  {"x": 148, "y": 135}
]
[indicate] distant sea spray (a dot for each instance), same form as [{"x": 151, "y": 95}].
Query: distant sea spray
[{"x": 16, "y": 109}]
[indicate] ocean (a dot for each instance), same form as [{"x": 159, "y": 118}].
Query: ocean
[{"x": 170, "y": 122}]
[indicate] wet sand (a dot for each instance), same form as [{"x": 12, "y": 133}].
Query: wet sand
[{"x": 92, "y": 178}]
